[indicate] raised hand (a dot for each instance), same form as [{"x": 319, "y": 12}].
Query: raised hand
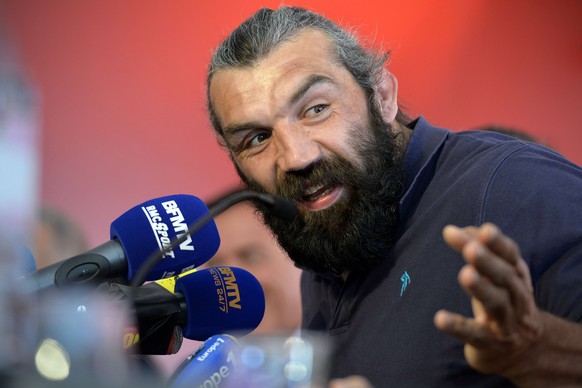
[{"x": 503, "y": 335}]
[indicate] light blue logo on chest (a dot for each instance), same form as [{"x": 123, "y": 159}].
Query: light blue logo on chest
[{"x": 405, "y": 279}]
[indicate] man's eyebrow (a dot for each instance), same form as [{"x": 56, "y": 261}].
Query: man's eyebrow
[
  {"x": 312, "y": 80},
  {"x": 232, "y": 129},
  {"x": 309, "y": 82}
]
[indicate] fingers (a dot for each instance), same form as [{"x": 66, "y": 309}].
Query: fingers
[
  {"x": 488, "y": 234},
  {"x": 496, "y": 301},
  {"x": 498, "y": 243},
  {"x": 502, "y": 288},
  {"x": 488, "y": 239},
  {"x": 464, "y": 329},
  {"x": 496, "y": 275},
  {"x": 487, "y": 263},
  {"x": 457, "y": 237},
  {"x": 505, "y": 316}
]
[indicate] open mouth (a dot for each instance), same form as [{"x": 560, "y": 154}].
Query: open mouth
[{"x": 320, "y": 197}]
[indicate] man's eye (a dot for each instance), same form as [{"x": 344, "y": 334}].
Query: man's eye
[
  {"x": 315, "y": 110},
  {"x": 257, "y": 139}
]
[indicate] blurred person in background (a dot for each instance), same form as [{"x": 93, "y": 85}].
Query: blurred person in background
[{"x": 56, "y": 237}]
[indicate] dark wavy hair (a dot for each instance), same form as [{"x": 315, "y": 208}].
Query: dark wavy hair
[{"x": 264, "y": 31}]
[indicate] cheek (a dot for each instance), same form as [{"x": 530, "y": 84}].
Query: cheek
[
  {"x": 341, "y": 138},
  {"x": 258, "y": 171},
  {"x": 354, "y": 140}
]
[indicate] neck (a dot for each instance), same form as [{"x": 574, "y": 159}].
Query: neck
[{"x": 403, "y": 134}]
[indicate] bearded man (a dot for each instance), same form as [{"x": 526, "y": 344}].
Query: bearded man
[{"x": 308, "y": 113}]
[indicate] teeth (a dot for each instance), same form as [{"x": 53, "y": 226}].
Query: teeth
[
  {"x": 326, "y": 191},
  {"x": 313, "y": 189},
  {"x": 314, "y": 193}
]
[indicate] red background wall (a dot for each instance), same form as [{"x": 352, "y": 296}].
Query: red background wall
[{"x": 122, "y": 84}]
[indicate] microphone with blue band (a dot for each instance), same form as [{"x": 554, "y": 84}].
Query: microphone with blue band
[
  {"x": 136, "y": 235},
  {"x": 205, "y": 302},
  {"x": 211, "y": 365},
  {"x": 231, "y": 298},
  {"x": 166, "y": 219}
]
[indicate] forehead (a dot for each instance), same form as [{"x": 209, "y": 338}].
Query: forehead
[{"x": 273, "y": 77}]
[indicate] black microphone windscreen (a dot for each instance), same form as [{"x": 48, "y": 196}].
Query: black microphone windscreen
[{"x": 284, "y": 208}]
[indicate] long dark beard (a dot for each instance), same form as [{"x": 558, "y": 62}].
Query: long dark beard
[{"x": 356, "y": 232}]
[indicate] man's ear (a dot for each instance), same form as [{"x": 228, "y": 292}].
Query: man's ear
[{"x": 386, "y": 95}]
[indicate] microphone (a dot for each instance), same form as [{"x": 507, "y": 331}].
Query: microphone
[
  {"x": 256, "y": 361},
  {"x": 279, "y": 206},
  {"x": 211, "y": 365},
  {"x": 146, "y": 228},
  {"x": 231, "y": 298},
  {"x": 213, "y": 300}
]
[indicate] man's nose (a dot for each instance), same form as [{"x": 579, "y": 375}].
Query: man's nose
[{"x": 296, "y": 149}]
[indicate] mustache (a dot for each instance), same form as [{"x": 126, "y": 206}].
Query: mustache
[{"x": 328, "y": 172}]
